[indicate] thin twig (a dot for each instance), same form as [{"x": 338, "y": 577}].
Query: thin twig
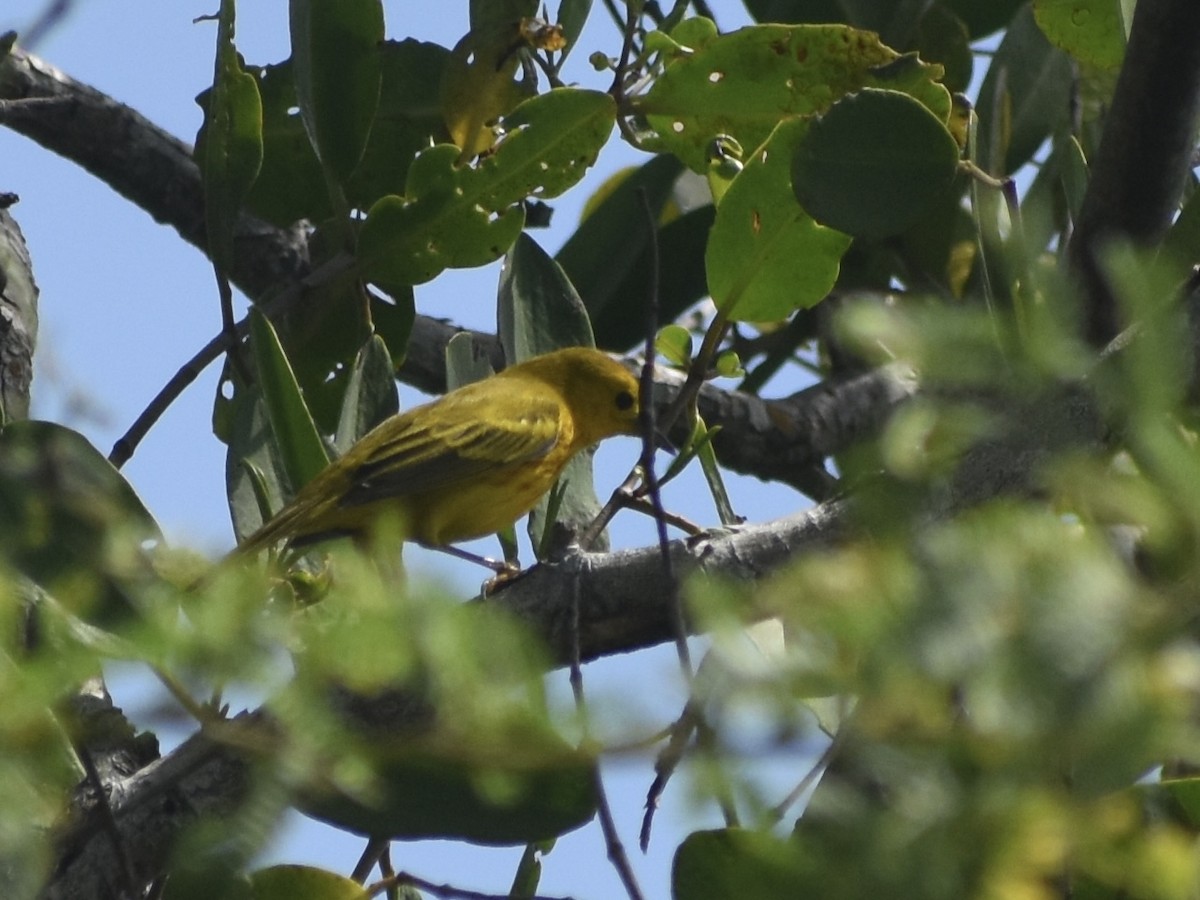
[
  {"x": 665, "y": 765},
  {"x": 124, "y": 448},
  {"x": 612, "y": 840},
  {"x": 649, "y": 441},
  {"x": 371, "y": 855},
  {"x": 404, "y": 879},
  {"x": 780, "y": 809}
]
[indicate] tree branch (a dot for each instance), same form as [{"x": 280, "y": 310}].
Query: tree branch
[
  {"x": 1145, "y": 153},
  {"x": 18, "y": 320}
]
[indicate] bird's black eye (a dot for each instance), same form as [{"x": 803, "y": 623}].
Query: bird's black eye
[{"x": 624, "y": 400}]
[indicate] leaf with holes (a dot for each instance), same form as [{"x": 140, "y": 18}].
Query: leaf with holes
[
  {"x": 741, "y": 84},
  {"x": 454, "y": 216}
]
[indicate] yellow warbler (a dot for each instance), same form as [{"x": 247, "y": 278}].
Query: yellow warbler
[{"x": 471, "y": 462}]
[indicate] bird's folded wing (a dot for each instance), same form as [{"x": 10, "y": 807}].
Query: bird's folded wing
[{"x": 439, "y": 453}]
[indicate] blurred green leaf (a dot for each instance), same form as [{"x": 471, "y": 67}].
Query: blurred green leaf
[
  {"x": 735, "y": 862},
  {"x": 766, "y": 255},
  {"x": 291, "y": 882},
  {"x": 874, "y": 164},
  {"x": 71, "y": 523},
  {"x": 527, "y": 787}
]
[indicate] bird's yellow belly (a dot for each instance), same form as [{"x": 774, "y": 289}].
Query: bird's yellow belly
[{"x": 468, "y": 511}]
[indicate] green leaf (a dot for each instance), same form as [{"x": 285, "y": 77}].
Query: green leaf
[
  {"x": 572, "y": 16},
  {"x": 487, "y": 15},
  {"x": 602, "y": 252},
  {"x": 941, "y": 37},
  {"x": 682, "y": 242},
  {"x": 538, "y": 311},
  {"x": 1025, "y": 97},
  {"x": 506, "y": 793},
  {"x": 1184, "y": 796},
  {"x": 608, "y": 256},
  {"x": 405, "y": 123},
  {"x": 478, "y": 87},
  {"x": 1055, "y": 195},
  {"x": 729, "y": 365},
  {"x": 742, "y": 84},
  {"x": 255, "y": 478},
  {"x": 767, "y": 256},
  {"x": 435, "y": 226},
  {"x": 735, "y": 862},
  {"x": 233, "y": 149},
  {"x": 70, "y": 522},
  {"x": 453, "y": 217},
  {"x": 550, "y": 142},
  {"x": 1092, "y": 31},
  {"x": 290, "y": 185},
  {"x": 465, "y": 362},
  {"x": 981, "y": 16},
  {"x": 335, "y": 49},
  {"x": 300, "y": 446},
  {"x": 674, "y": 344},
  {"x": 371, "y": 395},
  {"x": 874, "y": 164},
  {"x": 290, "y": 882}
]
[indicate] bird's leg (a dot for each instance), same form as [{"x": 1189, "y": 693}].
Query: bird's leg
[{"x": 500, "y": 567}]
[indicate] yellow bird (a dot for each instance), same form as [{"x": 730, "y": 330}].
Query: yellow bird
[{"x": 471, "y": 462}]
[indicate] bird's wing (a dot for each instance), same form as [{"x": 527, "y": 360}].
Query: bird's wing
[{"x": 436, "y": 452}]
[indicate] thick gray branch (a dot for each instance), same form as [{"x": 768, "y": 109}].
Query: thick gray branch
[{"x": 18, "y": 320}]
